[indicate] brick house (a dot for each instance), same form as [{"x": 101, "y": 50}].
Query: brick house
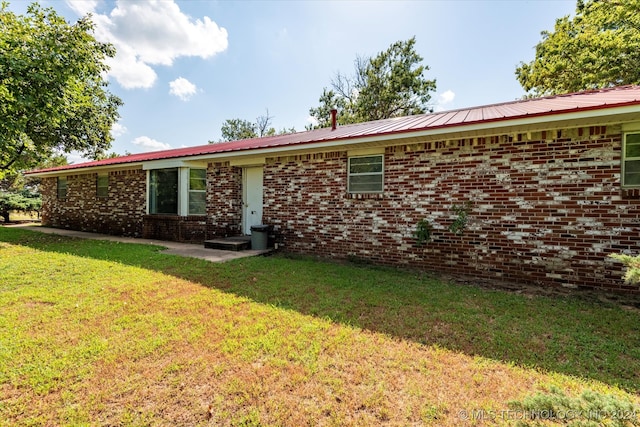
[{"x": 552, "y": 187}]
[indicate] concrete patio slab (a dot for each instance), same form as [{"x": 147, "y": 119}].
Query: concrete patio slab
[{"x": 172, "y": 248}]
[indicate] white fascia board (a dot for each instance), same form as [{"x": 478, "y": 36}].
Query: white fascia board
[
  {"x": 631, "y": 127},
  {"x": 178, "y": 162},
  {"x": 87, "y": 170},
  {"x": 247, "y": 161}
]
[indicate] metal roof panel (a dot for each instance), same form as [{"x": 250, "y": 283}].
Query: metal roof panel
[{"x": 552, "y": 105}]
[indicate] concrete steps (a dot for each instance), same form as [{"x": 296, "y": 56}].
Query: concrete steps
[{"x": 235, "y": 243}]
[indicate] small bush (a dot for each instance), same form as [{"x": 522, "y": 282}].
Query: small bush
[
  {"x": 423, "y": 232},
  {"x": 633, "y": 267},
  {"x": 462, "y": 218}
]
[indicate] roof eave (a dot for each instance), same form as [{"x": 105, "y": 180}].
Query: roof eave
[
  {"x": 72, "y": 171},
  {"x": 491, "y": 126},
  {"x": 527, "y": 122}
]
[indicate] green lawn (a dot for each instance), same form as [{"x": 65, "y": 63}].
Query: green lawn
[{"x": 103, "y": 333}]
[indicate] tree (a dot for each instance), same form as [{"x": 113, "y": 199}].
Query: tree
[
  {"x": 21, "y": 193},
  {"x": 53, "y": 96},
  {"x": 16, "y": 181},
  {"x": 24, "y": 201},
  {"x": 598, "y": 48},
  {"x": 237, "y": 129},
  {"x": 391, "y": 84}
]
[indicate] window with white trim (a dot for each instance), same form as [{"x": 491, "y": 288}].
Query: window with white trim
[
  {"x": 631, "y": 160},
  {"x": 163, "y": 191},
  {"x": 178, "y": 191},
  {"x": 365, "y": 174},
  {"x": 61, "y": 187},
  {"x": 102, "y": 185},
  {"x": 197, "y": 191}
]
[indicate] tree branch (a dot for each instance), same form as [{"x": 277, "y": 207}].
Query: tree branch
[{"x": 15, "y": 158}]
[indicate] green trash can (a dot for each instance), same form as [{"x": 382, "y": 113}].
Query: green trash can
[{"x": 259, "y": 237}]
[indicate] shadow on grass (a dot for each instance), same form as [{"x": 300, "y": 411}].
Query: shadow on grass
[{"x": 564, "y": 334}]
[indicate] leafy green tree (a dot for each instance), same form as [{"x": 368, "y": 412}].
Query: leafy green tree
[
  {"x": 53, "y": 96},
  {"x": 599, "y": 47},
  {"x": 391, "y": 84},
  {"x": 24, "y": 201},
  {"x": 16, "y": 181},
  {"x": 20, "y": 193},
  {"x": 237, "y": 129}
]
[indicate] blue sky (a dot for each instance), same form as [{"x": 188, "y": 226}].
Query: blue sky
[{"x": 183, "y": 67}]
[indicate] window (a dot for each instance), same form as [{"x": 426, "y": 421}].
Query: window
[
  {"x": 62, "y": 187},
  {"x": 178, "y": 191},
  {"x": 197, "y": 191},
  {"x": 365, "y": 174},
  {"x": 631, "y": 160},
  {"x": 102, "y": 185},
  {"x": 163, "y": 191}
]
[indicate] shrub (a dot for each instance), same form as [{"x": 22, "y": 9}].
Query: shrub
[
  {"x": 423, "y": 232},
  {"x": 633, "y": 267}
]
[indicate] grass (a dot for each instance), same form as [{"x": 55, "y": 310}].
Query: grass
[
  {"x": 23, "y": 216},
  {"x": 104, "y": 333}
]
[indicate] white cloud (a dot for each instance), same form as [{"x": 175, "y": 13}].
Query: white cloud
[
  {"x": 446, "y": 98},
  {"x": 150, "y": 144},
  {"x": 312, "y": 120},
  {"x": 118, "y": 130},
  {"x": 82, "y": 7},
  {"x": 153, "y": 32},
  {"x": 76, "y": 157},
  {"x": 182, "y": 88}
]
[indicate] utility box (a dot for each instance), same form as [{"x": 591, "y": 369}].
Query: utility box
[{"x": 259, "y": 237}]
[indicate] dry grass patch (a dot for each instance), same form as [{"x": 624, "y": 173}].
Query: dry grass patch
[{"x": 88, "y": 337}]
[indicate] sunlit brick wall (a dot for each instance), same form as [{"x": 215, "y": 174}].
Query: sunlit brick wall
[
  {"x": 547, "y": 207},
  {"x": 120, "y": 213}
]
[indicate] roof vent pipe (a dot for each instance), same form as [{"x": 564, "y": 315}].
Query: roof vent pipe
[{"x": 334, "y": 123}]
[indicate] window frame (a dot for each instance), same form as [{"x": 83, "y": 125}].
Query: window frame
[
  {"x": 358, "y": 174},
  {"x": 62, "y": 190},
  {"x": 185, "y": 194},
  {"x": 102, "y": 191},
  {"x": 191, "y": 191},
  {"x": 625, "y": 160}
]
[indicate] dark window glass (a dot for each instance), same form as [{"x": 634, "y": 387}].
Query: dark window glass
[{"x": 163, "y": 191}]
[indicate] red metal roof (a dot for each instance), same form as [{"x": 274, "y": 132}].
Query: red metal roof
[{"x": 552, "y": 105}]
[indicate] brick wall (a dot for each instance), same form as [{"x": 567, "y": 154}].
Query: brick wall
[
  {"x": 547, "y": 207},
  {"x": 123, "y": 212},
  {"x": 120, "y": 213},
  {"x": 175, "y": 228},
  {"x": 224, "y": 200}
]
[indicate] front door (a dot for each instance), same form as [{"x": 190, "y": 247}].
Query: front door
[{"x": 252, "y": 198}]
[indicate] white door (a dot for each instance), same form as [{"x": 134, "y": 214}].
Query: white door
[{"x": 252, "y": 198}]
